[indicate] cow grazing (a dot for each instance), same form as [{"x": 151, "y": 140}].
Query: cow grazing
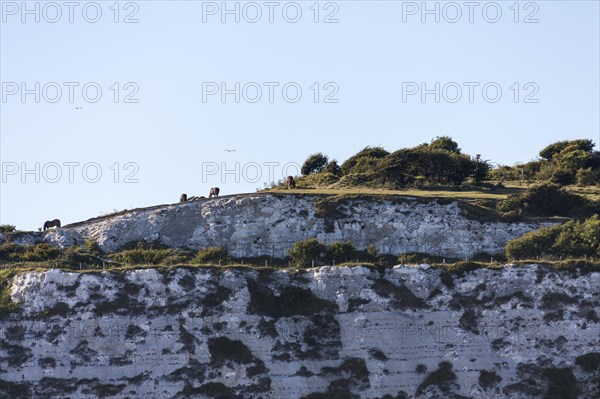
[
  {"x": 291, "y": 183},
  {"x": 51, "y": 223},
  {"x": 214, "y": 192},
  {"x": 183, "y": 198}
]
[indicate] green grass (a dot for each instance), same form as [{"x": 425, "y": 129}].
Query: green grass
[
  {"x": 590, "y": 192},
  {"x": 467, "y": 193},
  {"x": 7, "y": 273}
]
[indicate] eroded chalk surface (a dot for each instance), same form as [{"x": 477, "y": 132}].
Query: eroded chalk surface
[{"x": 324, "y": 333}]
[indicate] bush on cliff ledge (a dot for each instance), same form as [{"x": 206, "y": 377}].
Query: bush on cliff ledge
[
  {"x": 545, "y": 200},
  {"x": 305, "y": 252},
  {"x": 572, "y": 239},
  {"x": 7, "y": 228},
  {"x": 212, "y": 255},
  {"x": 340, "y": 252}
]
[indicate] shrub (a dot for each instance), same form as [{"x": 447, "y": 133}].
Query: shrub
[
  {"x": 562, "y": 176},
  {"x": 212, "y": 255},
  {"x": 304, "y": 252},
  {"x": 63, "y": 257},
  {"x": 543, "y": 200},
  {"x": 364, "y": 161},
  {"x": 550, "y": 151},
  {"x": 148, "y": 253},
  {"x": 511, "y": 216},
  {"x": 7, "y": 228},
  {"x": 177, "y": 257},
  {"x": 572, "y": 158},
  {"x": 590, "y": 232},
  {"x": 359, "y": 179},
  {"x": 316, "y": 180},
  {"x": 40, "y": 252},
  {"x": 93, "y": 247},
  {"x": 341, "y": 252},
  {"x": 444, "y": 143},
  {"x": 406, "y": 166},
  {"x": 588, "y": 177},
  {"x": 573, "y": 239},
  {"x": 579, "y": 238},
  {"x": 10, "y": 252},
  {"x": 525, "y": 171},
  {"x": 333, "y": 168},
  {"x": 314, "y": 164},
  {"x": 141, "y": 256},
  {"x": 77, "y": 256},
  {"x": 532, "y": 244},
  {"x": 362, "y": 165}
]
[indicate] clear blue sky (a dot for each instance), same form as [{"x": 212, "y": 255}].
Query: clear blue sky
[{"x": 373, "y": 49}]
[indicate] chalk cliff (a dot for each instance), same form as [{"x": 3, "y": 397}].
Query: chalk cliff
[
  {"x": 265, "y": 224},
  {"x": 323, "y": 333}
]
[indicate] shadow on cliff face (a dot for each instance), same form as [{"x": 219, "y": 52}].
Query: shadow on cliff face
[
  {"x": 541, "y": 379},
  {"x": 49, "y": 387},
  {"x": 351, "y": 375},
  {"x": 402, "y": 297},
  {"x": 292, "y": 301},
  {"x": 443, "y": 381},
  {"x": 316, "y": 330},
  {"x": 225, "y": 354}
]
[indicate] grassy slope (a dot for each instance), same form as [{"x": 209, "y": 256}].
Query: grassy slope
[{"x": 472, "y": 193}]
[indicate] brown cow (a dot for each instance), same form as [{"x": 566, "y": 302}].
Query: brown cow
[
  {"x": 291, "y": 183},
  {"x": 214, "y": 192},
  {"x": 183, "y": 197},
  {"x": 51, "y": 223}
]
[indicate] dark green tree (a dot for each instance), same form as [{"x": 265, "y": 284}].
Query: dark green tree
[
  {"x": 304, "y": 252},
  {"x": 341, "y": 252},
  {"x": 408, "y": 165},
  {"x": 444, "y": 143},
  {"x": 364, "y": 161},
  {"x": 314, "y": 164},
  {"x": 544, "y": 200},
  {"x": 333, "y": 168},
  {"x": 549, "y": 151}
]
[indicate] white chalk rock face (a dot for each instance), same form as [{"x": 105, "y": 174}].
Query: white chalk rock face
[
  {"x": 330, "y": 332},
  {"x": 265, "y": 224}
]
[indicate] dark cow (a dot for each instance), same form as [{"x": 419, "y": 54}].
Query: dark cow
[
  {"x": 51, "y": 223},
  {"x": 214, "y": 192},
  {"x": 291, "y": 183},
  {"x": 183, "y": 198}
]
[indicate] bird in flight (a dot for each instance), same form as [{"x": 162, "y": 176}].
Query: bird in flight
[
  {"x": 78, "y": 107},
  {"x": 230, "y": 150}
]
